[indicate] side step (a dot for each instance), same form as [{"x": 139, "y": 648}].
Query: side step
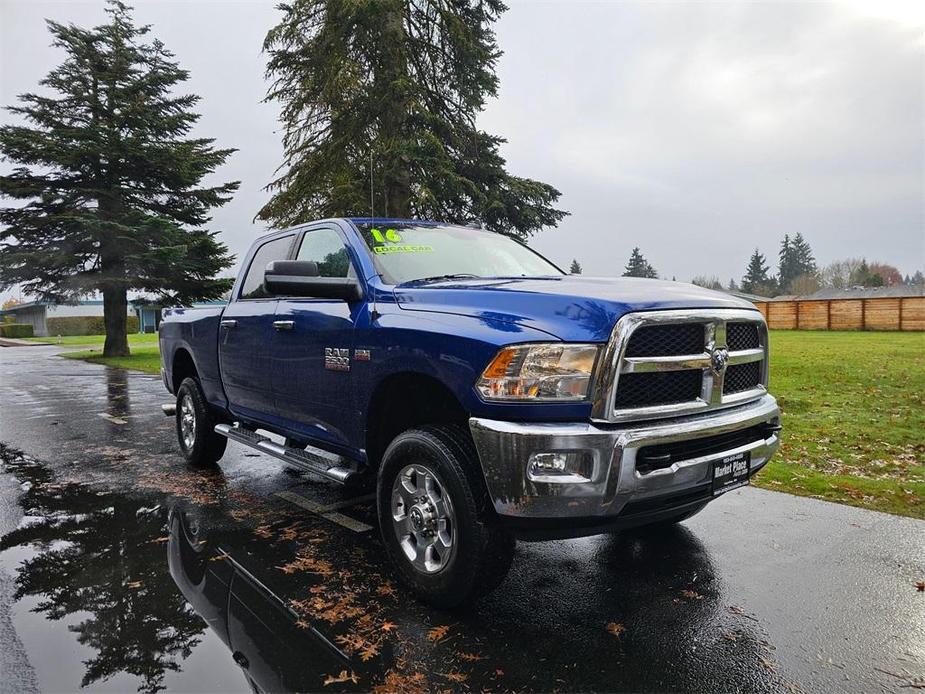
[{"x": 314, "y": 460}]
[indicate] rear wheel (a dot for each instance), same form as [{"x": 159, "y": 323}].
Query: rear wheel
[
  {"x": 199, "y": 443},
  {"x": 435, "y": 516}
]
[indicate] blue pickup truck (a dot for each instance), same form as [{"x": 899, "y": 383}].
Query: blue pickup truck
[{"x": 488, "y": 395}]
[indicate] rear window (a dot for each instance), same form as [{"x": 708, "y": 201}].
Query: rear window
[{"x": 277, "y": 249}]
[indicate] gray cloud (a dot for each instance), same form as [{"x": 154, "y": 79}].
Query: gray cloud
[{"x": 696, "y": 131}]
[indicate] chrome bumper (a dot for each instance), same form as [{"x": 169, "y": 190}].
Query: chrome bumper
[{"x": 505, "y": 449}]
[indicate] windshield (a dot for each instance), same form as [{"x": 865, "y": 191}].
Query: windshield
[{"x": 407, "y": 252}]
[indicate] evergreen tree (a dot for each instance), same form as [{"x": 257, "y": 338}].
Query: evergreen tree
[
  {"x": 379, "y": 100},
  {"x": 756, "y": 275},
  {"x": 108, "y": 185},
  {"x": 575, "y": 268},
  {"x": 786, "y": 264},
  {"x": 638, "y": 266},
  {"x": 803, "y": 256},
  {"x": 795, "y": 261}
]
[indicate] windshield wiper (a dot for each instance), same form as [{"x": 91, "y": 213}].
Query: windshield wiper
[{"x": 438, "y": 278}]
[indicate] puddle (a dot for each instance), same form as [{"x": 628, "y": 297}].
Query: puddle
[{"x": 201, "y": 587}]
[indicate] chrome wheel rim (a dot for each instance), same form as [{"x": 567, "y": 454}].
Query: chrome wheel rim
[
  {"x": 187, "y": 422},
  {"x": 423, "y": 518}
]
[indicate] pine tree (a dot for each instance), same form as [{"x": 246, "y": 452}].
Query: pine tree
[
  {"x": 638, "y": 266},
  {"x": 379, "y": 101},
  {"x": 756, "y": 275},
  {"x": 795, "y": 261},
  {"x": 805, "y": 263},
  {"x": 109, "y": 183},
  {"x": 786, "y": 263},
  {"x": 575, "y": 268}
]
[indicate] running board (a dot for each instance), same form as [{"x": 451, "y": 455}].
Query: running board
[{"x": 314, "y": 460}]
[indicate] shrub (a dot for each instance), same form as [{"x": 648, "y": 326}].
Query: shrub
[
  {"x": 15, "y": 330},
  {"x": 85, "y": 325}
]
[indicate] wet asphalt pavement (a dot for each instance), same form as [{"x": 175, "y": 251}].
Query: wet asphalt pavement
[{"x": 122, "y": 570}]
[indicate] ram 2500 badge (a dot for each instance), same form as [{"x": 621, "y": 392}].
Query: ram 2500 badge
[{"x": 489, "y": 395}]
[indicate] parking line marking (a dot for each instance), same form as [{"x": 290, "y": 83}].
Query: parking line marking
[
  {"x": 347, "y": 503},
  {"x": 325, "y": 512}
]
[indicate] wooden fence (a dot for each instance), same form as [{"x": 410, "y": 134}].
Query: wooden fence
[{"x": 907, "y": 313}]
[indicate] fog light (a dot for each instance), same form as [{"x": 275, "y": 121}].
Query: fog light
[{"x": 561, "y": 467}]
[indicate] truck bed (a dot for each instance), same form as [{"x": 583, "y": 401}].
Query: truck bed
[{"x": 195, "y": 332}]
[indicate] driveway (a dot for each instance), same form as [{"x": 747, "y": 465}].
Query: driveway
[{"x": 280, "y": 578}]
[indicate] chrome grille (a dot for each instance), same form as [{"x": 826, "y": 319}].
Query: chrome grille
[
  {"x": 665, "y": 340},
  {"x": 741, "y": 377},
  {"x": 668, "y": 363},
  {"x": 639, "y": 390},
  {"x": 742, "y": 336}
]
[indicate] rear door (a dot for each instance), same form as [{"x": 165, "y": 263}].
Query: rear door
[
  {"x": 313, "y": 346},
  {"x": 246, "y": 334}
]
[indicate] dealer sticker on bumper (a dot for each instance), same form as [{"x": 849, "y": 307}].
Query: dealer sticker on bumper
[{"x": 731, "y": 472}]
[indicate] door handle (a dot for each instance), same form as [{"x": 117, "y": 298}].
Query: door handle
[
  {"x": 228, "y": 323},
  {"x": 284, "y": 324},
  {"x": 240, "y": 659}
]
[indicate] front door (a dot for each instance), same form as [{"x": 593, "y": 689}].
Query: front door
[
  {"x": 245, "y": 336},
  {"x": 313, "y": 347}
]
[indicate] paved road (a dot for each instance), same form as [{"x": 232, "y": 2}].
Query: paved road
[{"x": 761, "y": 592}]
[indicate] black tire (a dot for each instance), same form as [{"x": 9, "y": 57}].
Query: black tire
[
  {"x": 483, "y": 551},
  {"x": 205, "y": 447}
]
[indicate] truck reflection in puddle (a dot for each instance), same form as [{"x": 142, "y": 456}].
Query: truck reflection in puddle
[{"x": 275, "y": 651}]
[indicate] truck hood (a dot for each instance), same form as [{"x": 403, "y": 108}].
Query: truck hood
[{"x": 572, "y": 308}]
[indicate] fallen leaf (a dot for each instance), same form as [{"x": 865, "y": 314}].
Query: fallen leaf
[
  {"x": 615, "y": 629},
  {"x": 133, "y": 584},
  {"x": 438, "y": 634},
  {"x": 342, "y": 677},
  {"x": 369, "y": 652},
  {"x": 386, "y": 589},
  {"x": 454, "y": 676},
  {"x": 471, "y": 657},
  {"x": 407, "y": 684},
  {"x": 691, "y": 595},
  {"x": 920, "y": 586},
  {"x": 388, "y": 626}
]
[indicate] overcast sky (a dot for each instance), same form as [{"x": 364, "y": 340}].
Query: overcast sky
[{"x": 696, "y": 131}]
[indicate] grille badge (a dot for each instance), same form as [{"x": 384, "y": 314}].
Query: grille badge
[{"x": 718, "y": 360}]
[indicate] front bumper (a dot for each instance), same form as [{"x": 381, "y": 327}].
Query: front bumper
[{"x": 614, "y": 487}]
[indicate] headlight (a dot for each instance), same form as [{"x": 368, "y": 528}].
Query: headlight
[{"x": 555, "y": 371}]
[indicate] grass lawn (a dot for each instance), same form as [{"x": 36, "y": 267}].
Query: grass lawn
[
  {"x": 854, "y": 418},
  {"x": 144, "y": 357},
  {"x": 71, "y": 340},
  {"x": 854, "y": 415}
]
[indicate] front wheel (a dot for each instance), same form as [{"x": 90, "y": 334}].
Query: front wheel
[
  {"x": 199, "y": 443},
  {"x": 436, "y": 519}
]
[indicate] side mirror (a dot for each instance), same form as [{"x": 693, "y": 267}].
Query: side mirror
[{"x": 300, "y": 278}]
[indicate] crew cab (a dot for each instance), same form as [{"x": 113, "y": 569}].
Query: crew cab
[{"x": 489, "y": 395}]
